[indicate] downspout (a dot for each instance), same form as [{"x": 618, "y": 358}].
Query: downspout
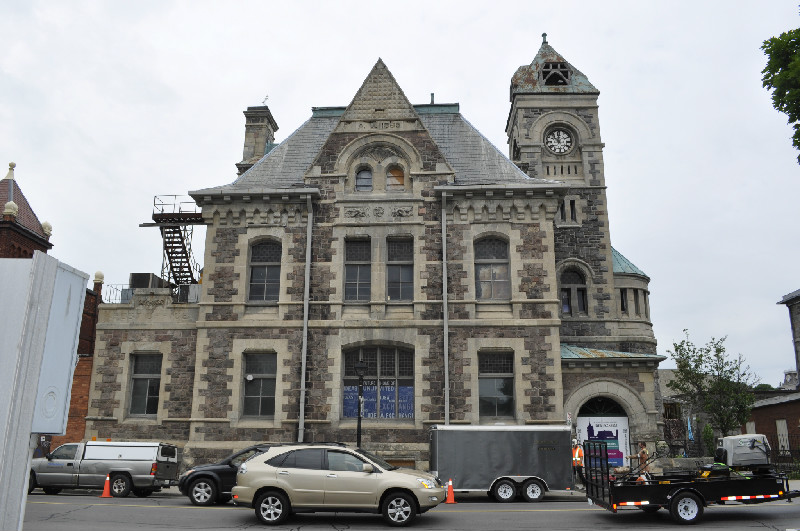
[
  {"x": 301, "y": 426},
  {"x": 445, "y": 312}
]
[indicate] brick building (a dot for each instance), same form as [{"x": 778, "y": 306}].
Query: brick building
[
  {"x": 473, "y": 287},
  {"x": 21, "y": 234}
]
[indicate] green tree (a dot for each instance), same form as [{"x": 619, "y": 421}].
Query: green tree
[
  {"x": 712, "y": 382},
  {"x": 782, "y": 76}
]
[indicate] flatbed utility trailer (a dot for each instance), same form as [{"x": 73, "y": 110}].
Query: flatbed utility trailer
[
  {"x": 683, "y": 493},
  {"x": 504, "y": 461}
]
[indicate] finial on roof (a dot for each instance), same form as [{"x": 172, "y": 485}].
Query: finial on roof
[
  {"x": 11, "y": 209},
  {"x": 544, "y": 38},
  {"x": 47, "y": 229},
  {"x": 99, "y": 277},
  {"x": 11, "y": 166}
]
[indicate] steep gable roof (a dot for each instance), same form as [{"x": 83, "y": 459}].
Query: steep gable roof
[
  {"x": 26, "y": 216},
  {"x": 529, "y": 79},
  {"x": 379, "y": 97}
]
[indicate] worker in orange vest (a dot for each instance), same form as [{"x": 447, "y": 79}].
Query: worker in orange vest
[{"x": 577, "y": 460}]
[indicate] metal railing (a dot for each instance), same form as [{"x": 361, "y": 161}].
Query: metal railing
[{"x": 785, "y": 453}]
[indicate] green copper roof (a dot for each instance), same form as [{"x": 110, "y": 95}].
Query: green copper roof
[
  {"x": 625, "y": 266},
  {"x": 575, "y": 352}
]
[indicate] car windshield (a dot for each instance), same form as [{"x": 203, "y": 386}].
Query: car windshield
[{"x": 377, "y": 460}]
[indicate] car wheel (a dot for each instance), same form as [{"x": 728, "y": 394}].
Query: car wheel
[
  {"x": 142, "y": 493},
  {"x": 51, "y": 490},
  {"x": 504, "y": 491},
  {"x": 120, "y": 485},
  {"x": 272, "y": 508},
  {"x": 31, "y": 482},
  {"x": 202, "y": 492},
  {"x": 399, "y": 509},
  {"x": 533, "y": 490},
  {"x": 686, "y": 508}
]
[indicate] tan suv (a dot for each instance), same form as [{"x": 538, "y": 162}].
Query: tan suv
[{"x": 331, "y": 477}]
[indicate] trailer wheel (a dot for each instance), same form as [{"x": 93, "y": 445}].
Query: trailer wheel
[
  {"x": 504, "y": 491},
  {"x": 533, "y": 490},
  {"x": 686, "y": 508}
]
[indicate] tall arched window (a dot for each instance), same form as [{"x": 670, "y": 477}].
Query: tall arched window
[
  {"x": 388, "y": 385},
  {"x": 573, "y": 293},
  {"x": 265, "y": 271},
  {"x": 492, "y": 271}
]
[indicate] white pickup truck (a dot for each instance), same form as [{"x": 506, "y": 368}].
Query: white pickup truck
[{"x": 138, "y": 467}]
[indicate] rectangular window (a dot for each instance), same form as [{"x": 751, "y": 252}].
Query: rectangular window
[
  {"x": 145, "y": 384},
  {"x": 566, "y": 303},
  {"x": 388, "y": 383},
  {"x": 636, "y": 307},
  {"x": 563, "y": 207},
  {"x": 496, "y": 384},
  {"x": 646, "y": 307},
  {"x": 623, "y": 300},
  {"x": 357, "y": 270},
  {"x": 400, "y": 269},
  {"x": 573, "y": 215},
  {"x": 582, "y": 302},
  {"x": 259, "y": 384},
  {"x": 265, "y": 271}
]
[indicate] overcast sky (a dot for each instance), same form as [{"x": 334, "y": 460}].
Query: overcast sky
[{"x": 104, "y": 105}]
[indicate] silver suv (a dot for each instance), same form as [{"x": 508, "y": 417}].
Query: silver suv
[{"x": 331, "y": 477}]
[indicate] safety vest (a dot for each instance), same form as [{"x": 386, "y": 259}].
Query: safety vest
[{"x": 577, "y": 456}]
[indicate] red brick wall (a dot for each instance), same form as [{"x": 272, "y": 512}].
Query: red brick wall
[
  {"x": 766, "y": 416},
  {"x": 16, "y": 244}
]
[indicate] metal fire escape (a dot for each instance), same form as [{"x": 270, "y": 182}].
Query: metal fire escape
[{"x": 175, "y": 216}]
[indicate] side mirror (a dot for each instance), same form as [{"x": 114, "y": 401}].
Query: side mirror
[
  {"x": 48, "y": 456},
  {"x": 366, "y": 467}
]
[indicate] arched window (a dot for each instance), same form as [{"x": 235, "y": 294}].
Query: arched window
[
  {"x": 388, "y": 385},
  {"x": 573, "y": 293},
  {"x": 395, "y": 179},
  {"x": 601, "y": 406},
  {"x": 265, "y": 271},
  {"x": 364, "y": 180},
  {"x": 492, "y": 271}
]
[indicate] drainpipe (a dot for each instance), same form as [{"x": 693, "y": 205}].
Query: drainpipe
[
  {"x": 445, "y": 311},
  {"x": 301, "y": 426}
]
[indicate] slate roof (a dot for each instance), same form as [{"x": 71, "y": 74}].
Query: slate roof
[
  {"x": 473, "y": 158},
  {"x": 790, "y": 297},
  {"x": 625, "y": 266},
  {"x": 25, "y": 217},
  {"x": 775, "y": 400},
  {"x": 575, "y": 352}
]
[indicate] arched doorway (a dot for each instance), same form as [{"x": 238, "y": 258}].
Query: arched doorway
[{"x": 603, "y": 419}]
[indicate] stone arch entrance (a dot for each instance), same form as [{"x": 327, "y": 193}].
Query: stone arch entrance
[{"x": 626, "y": 398}]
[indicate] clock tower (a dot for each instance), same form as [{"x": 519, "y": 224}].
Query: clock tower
[{"x": 554, "y": 133}]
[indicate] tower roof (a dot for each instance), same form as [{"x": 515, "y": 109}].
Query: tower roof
[
  {"x": 550, "y": 72},
  {"x": 624, "y": 266},
  {"x": 10, "y": 190}
]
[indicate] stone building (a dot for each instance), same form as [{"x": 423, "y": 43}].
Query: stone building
[{"x": 469, "y": 287}]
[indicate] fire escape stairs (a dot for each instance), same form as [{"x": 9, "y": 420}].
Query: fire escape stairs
[{"x": 177, "y": 250}]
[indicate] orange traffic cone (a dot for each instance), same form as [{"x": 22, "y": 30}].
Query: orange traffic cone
[
  {"x": 107, "y": 489},
  {"x": 450, "y": 497}
]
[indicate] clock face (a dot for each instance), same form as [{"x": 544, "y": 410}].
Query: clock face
[{"x": 558, "y": 141}]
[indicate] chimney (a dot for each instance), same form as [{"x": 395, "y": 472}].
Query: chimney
[{"x": 259, "y": 135}]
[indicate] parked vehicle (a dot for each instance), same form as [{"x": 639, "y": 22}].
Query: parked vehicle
[
  {"x": 138, "y": 467},
  {"x": 331, "y": 477},
  {"x": 212, "y": 483},
  {"x": 741, "y": 474},
  {"x": 503, "y": 461}
]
